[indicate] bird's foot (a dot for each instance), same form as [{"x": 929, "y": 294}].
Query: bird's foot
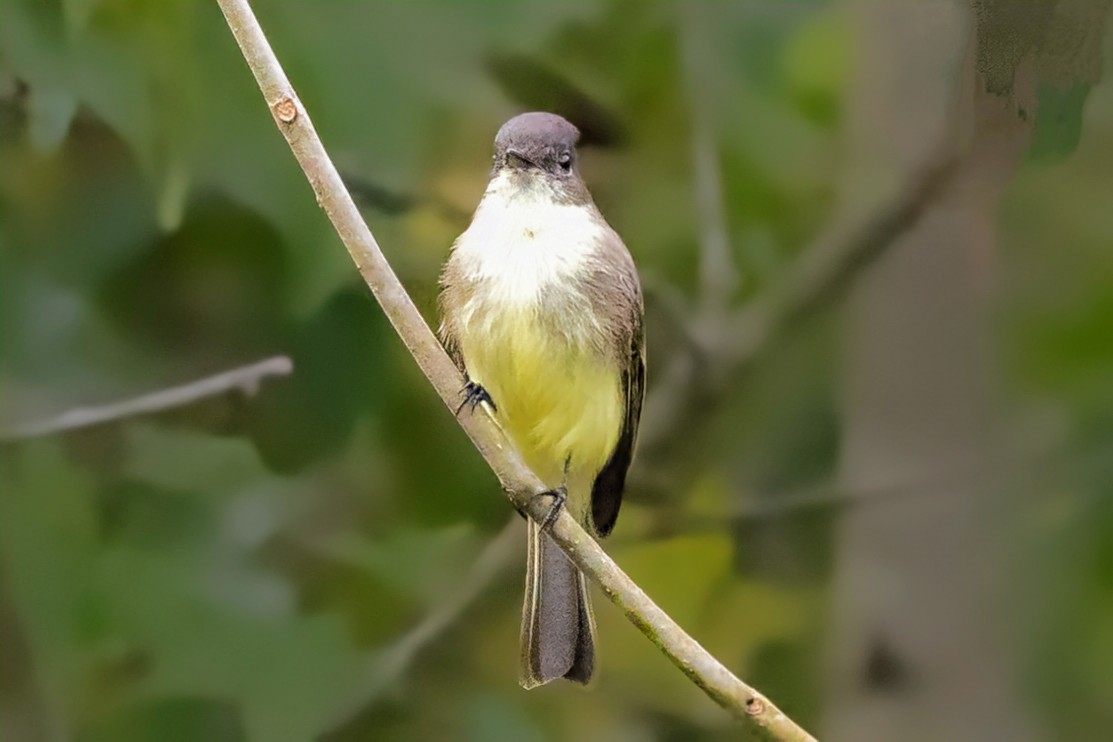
[
  {"x": 559, "y": 496},
  {"x": 474, "y": 395}
]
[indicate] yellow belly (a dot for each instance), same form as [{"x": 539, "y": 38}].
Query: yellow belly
[{"x": 558, "y": 400}]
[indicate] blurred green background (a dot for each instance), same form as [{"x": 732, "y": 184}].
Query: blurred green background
[{"x": 897, "y": 520}]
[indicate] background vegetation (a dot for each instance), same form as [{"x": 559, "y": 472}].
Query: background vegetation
[{"x": 902, "y": 506}]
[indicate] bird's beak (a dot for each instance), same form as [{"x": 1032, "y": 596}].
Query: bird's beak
[{"x": 517, "y": 160}]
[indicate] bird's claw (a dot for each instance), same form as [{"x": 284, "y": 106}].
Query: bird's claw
[
  {"x": 474, "y": 395},
  {"x": 559, "y": 497}
]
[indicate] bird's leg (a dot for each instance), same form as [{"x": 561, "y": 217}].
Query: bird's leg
[
  {"x": 474, "y": 395},
  {"x": 559, "y": 496}
]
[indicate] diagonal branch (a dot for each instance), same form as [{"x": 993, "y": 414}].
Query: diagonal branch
[
  {"x": 245, "y": 379},
  {"x": 390, "y": 664},
  {"x": 521, "y": 484},
  {"x": 828, "y": 266},
  {"x": 819, "y": 276}
]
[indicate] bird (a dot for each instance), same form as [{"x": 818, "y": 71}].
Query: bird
[{"x": 541, "y": 309}]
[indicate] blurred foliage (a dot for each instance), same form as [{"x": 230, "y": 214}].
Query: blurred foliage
[{"x": 230, "y": 571}]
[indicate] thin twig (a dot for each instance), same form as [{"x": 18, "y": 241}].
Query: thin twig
[
  {"x": 521, "y": 484},
  {"x": 245, "y": 379},
  {"x": 826, "y": 496},
  {"x": 823, "y": 271},
  {"x": 718, "y": 276},
  {"x": 827, "y": 267},
  {"x": 388, "y": 666}
]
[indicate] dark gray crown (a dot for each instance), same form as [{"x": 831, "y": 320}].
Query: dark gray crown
[{"x": 537, "y": 132}]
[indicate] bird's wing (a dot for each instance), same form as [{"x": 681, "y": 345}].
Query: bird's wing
[
  {"x": 454, "y": 292},
  {"x": 606, "y": 492}
]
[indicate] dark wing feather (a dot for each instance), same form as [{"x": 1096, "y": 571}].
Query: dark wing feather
[{"x": 606, "y": 492}]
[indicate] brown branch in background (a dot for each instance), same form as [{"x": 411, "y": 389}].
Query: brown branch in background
[
  {"x": 722, "y": 344},
  {"x": 521, "y": 484},
  {"x": 829, "y": 496},
  {"x": 826, "y": 268},
  {"x": 388, "y": 666},
  {"x": 718, "y": 276},
  {"x": 245, "y": 379},
  {"x": 820, "y": 275}
]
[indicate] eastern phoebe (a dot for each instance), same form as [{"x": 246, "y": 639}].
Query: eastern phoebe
[{"x": 542, "y": 310}]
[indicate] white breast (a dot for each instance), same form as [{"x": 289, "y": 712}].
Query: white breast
[{"x": 521, "y": 241}]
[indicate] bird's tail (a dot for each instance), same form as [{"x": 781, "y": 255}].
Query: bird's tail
[{"x": 558, "y": 626}]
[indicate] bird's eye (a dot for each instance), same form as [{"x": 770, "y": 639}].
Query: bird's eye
[{"x": 565, "y": 161}]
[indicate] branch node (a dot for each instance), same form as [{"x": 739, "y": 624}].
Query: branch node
[{"x": 285, "y": 109}]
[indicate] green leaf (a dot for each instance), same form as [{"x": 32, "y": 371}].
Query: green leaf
[
  {"x": 817, "y": 63},
  {"x": 338, "y": 376},
  {"x": 48, "y": 529},
  {"x": 414, "y": 562},
  {"x": 51, "y": 111},
  {"x": 491, "y": 717},
  {"x": 173, "y": 190},
  {"x": 78, "y": 13},
  {"x": 177, "y": 718},
  {"x": 215, "y": 288},
  {"x": 1058, "y": 121},
  {"x": 168, "y": 459}
]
